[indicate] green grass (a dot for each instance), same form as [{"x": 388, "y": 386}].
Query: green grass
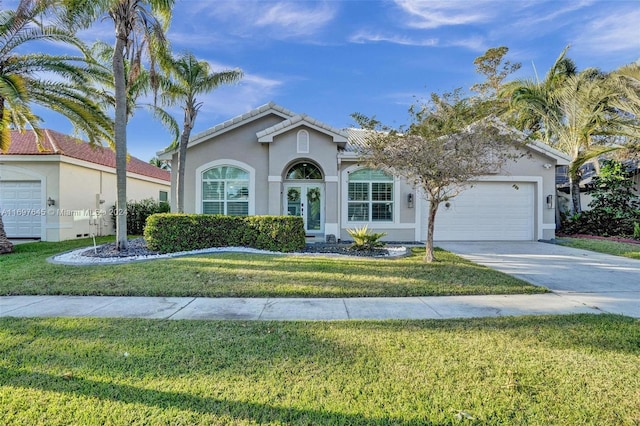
[
  {"x": 249, "y": 275},
  {"x": 603, "y": 246},
  {"x": 551, "y": 370}
]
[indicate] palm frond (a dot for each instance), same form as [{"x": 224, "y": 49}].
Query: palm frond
[{"x": 166, "y": 119}]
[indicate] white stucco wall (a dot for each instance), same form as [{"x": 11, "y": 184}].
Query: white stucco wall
[{"x": 76, "y": 187}]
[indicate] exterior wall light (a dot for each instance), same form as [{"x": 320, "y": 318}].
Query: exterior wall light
[
  {"x": 410, "y": 201},
  {"x": 51, "y": 202}
]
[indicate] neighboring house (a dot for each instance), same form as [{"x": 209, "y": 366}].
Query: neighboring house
[
  {"x": 587, "y": 172},
  {"x": 272, "y": 161},
  {"x": 68, "y": 189}
]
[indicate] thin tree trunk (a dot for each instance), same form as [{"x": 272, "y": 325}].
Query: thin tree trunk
[
  {"x": 120, "y": 134},
  {"x": 433, "y": 209},
  {"x": 574, "y": 185},
  {"x": 5, "y": 244}
]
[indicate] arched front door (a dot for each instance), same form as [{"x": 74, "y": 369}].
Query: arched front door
[{"x": 304, "y": 196}]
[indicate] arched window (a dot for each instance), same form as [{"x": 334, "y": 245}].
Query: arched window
[
  {"x": 225, "y": 190},
  {"x": 370, "y": 196},
  {"x": 303, "y": 142},
  {"x": 304, "y": 171}
]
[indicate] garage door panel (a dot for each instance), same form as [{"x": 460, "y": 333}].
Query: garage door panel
[
  {"x": 21, "y": 204},
  {"x": 488, "y": 211}
]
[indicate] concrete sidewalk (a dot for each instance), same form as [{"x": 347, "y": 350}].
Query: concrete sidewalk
[
  {"x": 581, "y": 281},
  {"x": 291, "y": 309}
]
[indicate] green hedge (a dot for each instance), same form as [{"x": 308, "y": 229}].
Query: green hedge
[
  {"x": 169, "y": 233},
  {"x": 138, "y": 212}
]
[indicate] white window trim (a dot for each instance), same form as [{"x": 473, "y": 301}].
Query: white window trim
[
  {"x": 345, "y": 202},
  {"x": 226, "y": 162}
]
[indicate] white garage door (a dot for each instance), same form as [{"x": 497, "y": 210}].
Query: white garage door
[
  {"x": 488, "y": 211},
  {"x": 20, "y": 205}
]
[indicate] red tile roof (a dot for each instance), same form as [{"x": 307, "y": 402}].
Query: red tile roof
[{"x": 56, "y": 143}]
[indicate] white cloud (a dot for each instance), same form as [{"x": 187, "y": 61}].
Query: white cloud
[
  {"x": 296, "y": 18},
  {"x": 617, "y": 31},
  {"x": 435, "y": 14},
  {"x": 471, "y": 43},
  {"x": 279, "y": 20},
  {"x": 365, "y": 37}
]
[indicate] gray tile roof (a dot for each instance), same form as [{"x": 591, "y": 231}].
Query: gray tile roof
[{"x": 357, "y": 139}]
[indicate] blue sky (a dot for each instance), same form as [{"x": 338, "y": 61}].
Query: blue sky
[{"x": 329, "y": 59}]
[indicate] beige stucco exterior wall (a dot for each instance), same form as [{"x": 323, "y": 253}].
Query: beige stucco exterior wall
[
  {"x": 323, "y": 152},
  {"x": 531, "y": 167},
  {"x": 77, "y": 188},
  {"x": 240, "y": 145},
  {"x": 406, "y": 217},
  {"x": 92, "y": 197}
]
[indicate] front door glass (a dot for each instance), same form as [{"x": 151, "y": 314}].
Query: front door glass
[{"x": 305, "y": 200}]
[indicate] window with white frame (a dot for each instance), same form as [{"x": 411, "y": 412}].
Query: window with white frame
[
  {"x": 225, "y": 190},
  {"x": 370, "y": 196}
]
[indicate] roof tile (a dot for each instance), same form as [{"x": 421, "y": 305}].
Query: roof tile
[{"x": 56, "y": 143}]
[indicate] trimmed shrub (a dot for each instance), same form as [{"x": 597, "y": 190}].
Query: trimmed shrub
[
  {"x": 138, "y": 212},
  {"x": 169, "y": 233}
]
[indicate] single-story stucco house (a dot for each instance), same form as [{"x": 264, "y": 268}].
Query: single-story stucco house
[
  {"x": 272, "y": 161},
  {"x": 67, "y": 190}
]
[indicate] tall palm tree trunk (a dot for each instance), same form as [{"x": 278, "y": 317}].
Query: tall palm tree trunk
[
  {"x": 182, "y": 165},
  {"x": 190, "y": 114},
  {"x": 5, "y": 244},
  {"x": 120, "y": 134}
]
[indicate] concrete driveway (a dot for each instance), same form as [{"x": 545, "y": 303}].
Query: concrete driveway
[{"x": 608, "y": 283}]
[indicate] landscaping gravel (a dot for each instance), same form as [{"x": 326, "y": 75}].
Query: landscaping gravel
[{"x": 137, "y": 250}]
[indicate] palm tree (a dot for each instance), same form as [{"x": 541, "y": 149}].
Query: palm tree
[
  {"x": 140, "y": 27},
  {"x": 523, "y": 94},
  {"x": 578, "y": 113},
  {"x": 162, "y": 164},
  {"x": 188, "y": 79},
  {"x": 22, "y": 84},
  {"x": 580, "y": 119}
]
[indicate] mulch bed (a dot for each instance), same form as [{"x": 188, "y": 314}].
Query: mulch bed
[{"x": 597, "y": 237}]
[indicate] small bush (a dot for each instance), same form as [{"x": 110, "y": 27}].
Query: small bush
[
  {"x": 138, "y": 212},
  {"x": 169, "y": 233},
  {"x": 602, "y": 222},
  {"x": 363, "y": 239},
  {"x": 614, "y": 208}
]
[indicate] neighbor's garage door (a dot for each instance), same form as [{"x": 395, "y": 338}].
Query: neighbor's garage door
[
  {"x": 488, "y": 211},
  {"x": 20, "y": 203}
]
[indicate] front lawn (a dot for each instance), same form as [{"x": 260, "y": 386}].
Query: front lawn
[
  {"x": 551, "y": 370},
  {"x": 603, "y": 246},
  {"x": 249, "y": 275}
]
